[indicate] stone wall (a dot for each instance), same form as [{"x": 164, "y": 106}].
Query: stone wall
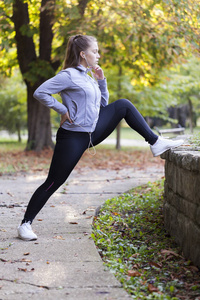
[{"x": 182, "y": 200}]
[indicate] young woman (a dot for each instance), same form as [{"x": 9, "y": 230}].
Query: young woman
[{"x": 86, "y": 119}]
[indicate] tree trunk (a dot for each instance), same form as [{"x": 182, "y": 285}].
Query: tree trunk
[
  {"x": 19, "y": 133},
  {"x": 118, "y": 144},
  {"x": 39, "y": 124},
  {"x": 82, "y": 4},
  {"x": 118, "y": 141},
  {"x": 190, "y": 115}
]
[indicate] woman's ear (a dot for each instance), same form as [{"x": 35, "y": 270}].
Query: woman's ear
[{"x": 82, "y": 54}]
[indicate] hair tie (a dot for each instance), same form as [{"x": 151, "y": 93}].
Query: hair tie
[{"x": 76, "y": 37}]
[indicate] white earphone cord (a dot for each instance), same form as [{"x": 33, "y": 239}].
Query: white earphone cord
[
  {"x": 89, "y": 68},
  {"x": 90, "y": 141}
]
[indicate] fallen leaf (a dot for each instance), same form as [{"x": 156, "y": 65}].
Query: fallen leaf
[
  {"x": 26, "y": 253},
  {"x": 25, "y": 270},
  {"x": 39, "y": 219},
  {"x": 74, "y": 223},
  {"x": 157, "y": 265},
  {"x": 135, "y": 255},
  {"x": 25, "y": 260},
  {"x": 58, "y": 237},
  {"x": 115, "y": 214},
  {"x": 21, "y": 269},
  {"x": 133, "y": 273},
  {"x": 152, "y": 288},
  {"x": 193, "y": 269},
  {"x": 169, "y": 252},
  {"x": 136, "y": 266},
  {"x": 10, "y": 194}
]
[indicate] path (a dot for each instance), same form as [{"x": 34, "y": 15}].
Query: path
[{"x": 63, "y": 263}]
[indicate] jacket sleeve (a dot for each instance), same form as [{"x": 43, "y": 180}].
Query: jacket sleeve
[
  {"x": 104, "y": 91},
  {"x": 52, "y": 86}
]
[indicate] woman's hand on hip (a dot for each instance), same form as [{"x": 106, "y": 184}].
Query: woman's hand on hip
[{"x": 64, "y": 118}]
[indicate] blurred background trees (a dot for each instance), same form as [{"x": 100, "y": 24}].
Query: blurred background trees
[
  {"x": 148, "y": 50},
  {"x": 13, "y": 117}
]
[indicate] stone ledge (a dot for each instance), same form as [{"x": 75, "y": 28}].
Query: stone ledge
[
  {"x": 187, "y": 158},
  {"x": 182, "y": 199}
]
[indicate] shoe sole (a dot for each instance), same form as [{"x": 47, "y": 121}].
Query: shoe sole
[
  {"x": 27, "y": 239},
  {"x": 161, "y": 152}
]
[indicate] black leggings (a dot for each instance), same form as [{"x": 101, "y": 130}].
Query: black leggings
[{"x": 70, "y": 146}]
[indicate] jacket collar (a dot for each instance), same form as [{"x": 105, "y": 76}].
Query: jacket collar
[{"x": 83, "y": 69}]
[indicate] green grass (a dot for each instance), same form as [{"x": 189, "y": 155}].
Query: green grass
[
  {"x": 130, "y": 236},
  {"x": 127, "y": 133},
  {"x": 195, "y": 139},
  {"x": 11, "y": 145}
]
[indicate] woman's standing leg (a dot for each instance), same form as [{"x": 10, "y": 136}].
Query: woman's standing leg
[{"x": 68, "y": 150}]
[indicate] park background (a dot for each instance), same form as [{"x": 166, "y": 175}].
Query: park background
[
  {"x": 149, "y": 52},
  {"x": 150, "y": 55}
]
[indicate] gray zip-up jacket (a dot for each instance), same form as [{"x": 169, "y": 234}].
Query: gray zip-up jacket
[{"x": 81, "y": 96}]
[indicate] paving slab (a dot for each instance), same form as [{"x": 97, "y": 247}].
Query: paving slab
[{"x": 64, "y": 262}]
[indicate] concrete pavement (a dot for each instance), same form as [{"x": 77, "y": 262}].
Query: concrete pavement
[{"x": 64, "y": 262}]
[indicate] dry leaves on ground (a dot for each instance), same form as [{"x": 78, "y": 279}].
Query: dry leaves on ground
[{"x": 26, "y": 161}]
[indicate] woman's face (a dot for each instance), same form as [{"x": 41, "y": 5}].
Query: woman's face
[{"x": 91, "y": 56}]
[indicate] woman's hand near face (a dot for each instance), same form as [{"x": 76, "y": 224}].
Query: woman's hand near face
[
  {"x": 98, "y": 72},
  {"x": 64, "y": 118}
]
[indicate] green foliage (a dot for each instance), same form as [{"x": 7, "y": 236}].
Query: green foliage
[
  {"x": 150, "y": 101},
  {"x": 37, "y": 69},
  {"x": 137, "y": 38},
  {"x": 181, "y": 85},
  {"x": 177, "y": 85},
  {"x": 143, "y": 35},
  {"x": 131, "y": 240},
  {"x": 13, "y": 104},
  {"x": 182, "y": 81}
]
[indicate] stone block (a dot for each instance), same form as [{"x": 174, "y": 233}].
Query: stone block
[
  {"x": 182, "y": 201},
  {"x": 191, "y": 245},
  {"x": 170, "y": 175},
  {"x": 180, "y": 229},
  {"x": 197, "y": 216},
  {"x": 167, "y": 216},
  {"x": 187, "y": 184}
]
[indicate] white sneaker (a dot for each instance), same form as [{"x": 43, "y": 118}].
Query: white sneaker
[
  {"x": 162, "y": 145},
  {"x": 26, "y": 233}
]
